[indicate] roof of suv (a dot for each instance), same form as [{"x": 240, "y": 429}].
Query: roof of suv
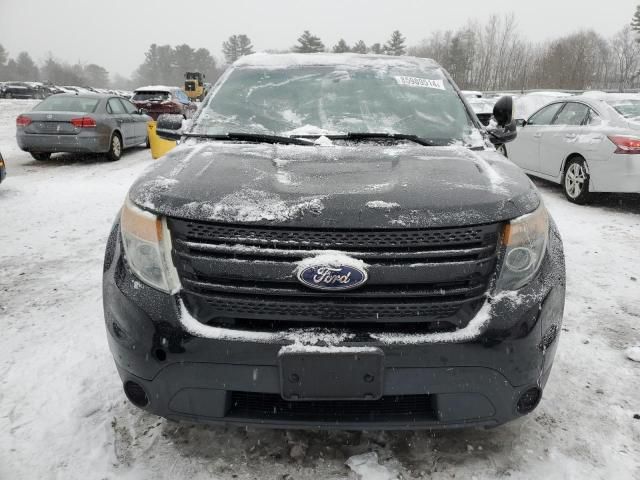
[
  {"x": 283, "y": 60},
  {"x": 156, "y": 88}
]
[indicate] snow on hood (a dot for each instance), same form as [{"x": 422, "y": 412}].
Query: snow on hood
[{"x": 363, "y": 186}]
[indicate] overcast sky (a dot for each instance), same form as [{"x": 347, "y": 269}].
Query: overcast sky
[{"x": 116, "y": 33}]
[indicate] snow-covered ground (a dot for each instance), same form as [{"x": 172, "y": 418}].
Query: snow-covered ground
[{"x": 63, "y": 413}]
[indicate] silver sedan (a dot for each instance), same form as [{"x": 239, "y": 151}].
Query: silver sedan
[
  {"x": 91, "y": 123},
  {"x": 587, "y": 143}
]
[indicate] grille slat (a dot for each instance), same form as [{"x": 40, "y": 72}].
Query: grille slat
[
  {"x": 343, "y": 239},
  {"x": 389, "y": 408}
]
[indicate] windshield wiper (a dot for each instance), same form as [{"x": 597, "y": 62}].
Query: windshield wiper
[
  {"x": 375, "y": 136},
  {"x": 251, "y": 137}
]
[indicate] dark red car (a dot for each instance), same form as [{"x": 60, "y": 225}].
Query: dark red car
[{"x": 158, "y": 99}]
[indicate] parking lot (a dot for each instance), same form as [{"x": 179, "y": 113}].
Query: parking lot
[{"x": 63, "y": 413}]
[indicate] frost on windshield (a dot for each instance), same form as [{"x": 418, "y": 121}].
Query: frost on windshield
[{"x": 316, "y": 100}]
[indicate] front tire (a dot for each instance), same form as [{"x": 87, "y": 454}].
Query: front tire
[
  {"x": 575, "y": 181},
  {"x": 40, "y": 156},
  {"x": 115, "y": 148}
]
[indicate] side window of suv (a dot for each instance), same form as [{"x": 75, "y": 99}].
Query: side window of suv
[
  {"x": 572, "y": 114},
  {"x": 545, "y": 116}
]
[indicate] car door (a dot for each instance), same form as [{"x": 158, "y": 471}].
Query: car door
[
  {"x": 116, "y": 110},
  {"x": 525, "y": 150},
  {"x": 138, "y": 120},
  {"x": 562, "y": 137}
]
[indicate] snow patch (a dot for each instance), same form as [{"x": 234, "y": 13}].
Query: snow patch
[
  {"x": 379, "y": 204},
  {"x": 331, "y": 258},
  {"x": 366, "y": 467},
  {"x": 633, "y": 353},
  {"x": 254, "y": 205},
  {"x": 308, "y": 337}
]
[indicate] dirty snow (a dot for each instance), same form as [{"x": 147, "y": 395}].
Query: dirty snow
[
  {"x": 63, "y": 414},
  {"x": 380, "y": 204}
]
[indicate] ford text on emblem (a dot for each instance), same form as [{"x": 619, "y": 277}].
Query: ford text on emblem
[{"x": 332, "y": 277}]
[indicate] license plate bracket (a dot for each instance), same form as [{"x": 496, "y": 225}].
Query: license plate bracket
[{"x": 331, "y": 375}]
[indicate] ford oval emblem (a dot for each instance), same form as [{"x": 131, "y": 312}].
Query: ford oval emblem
[{"x": 332, "y": 277}]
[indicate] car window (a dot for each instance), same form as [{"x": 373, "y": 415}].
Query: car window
[
  {"x": 115, "y": 107},
  {"x": 572, "y": 114},
  {"x": 628, "y": 108},
  {"x": 181, "y": 96},
  {"x": 58, "y": 103},
  {"x": 128, "y": 106},
  {"x": 545, "y": 116},
  {"x": 150, "y": 96},
  {"x": 335, "y": 99},
  {"x": 593, "y": 118}
]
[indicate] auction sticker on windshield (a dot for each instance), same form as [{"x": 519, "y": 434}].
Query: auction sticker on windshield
[{"x": 419, "y": 82}]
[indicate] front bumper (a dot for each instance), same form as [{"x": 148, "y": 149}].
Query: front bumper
[{"x": 236, "y": 381}]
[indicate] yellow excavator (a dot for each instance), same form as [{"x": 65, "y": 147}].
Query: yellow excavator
[{"x": 194, "y": 85}]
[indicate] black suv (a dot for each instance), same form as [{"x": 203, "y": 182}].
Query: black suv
[{"x": 336, "y": 243}]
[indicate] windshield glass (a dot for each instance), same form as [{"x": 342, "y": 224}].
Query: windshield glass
[
  {"x": 150, "y": 96},
  {"x": 57, "y": 103},
  {"x": 325, "y": 100},
  {"x": 629, "y": 109}
]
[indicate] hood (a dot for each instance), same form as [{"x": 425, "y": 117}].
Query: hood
[{"x": 364, "y": 186}]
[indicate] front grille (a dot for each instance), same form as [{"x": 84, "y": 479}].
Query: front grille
[
  {"x": 246, "y": 275},
  {"x": 268, "y": 406},
  {"x": 336, "y": 239}
]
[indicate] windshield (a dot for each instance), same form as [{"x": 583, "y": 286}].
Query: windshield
[
  {"x": 334, "y": 100},
  {"x": 57, "y": 103},
  {"x": 150, "y": 96},
  {"x": 629, "y": 109}
]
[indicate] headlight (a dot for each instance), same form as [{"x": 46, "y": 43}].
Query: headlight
[
  {"x": 525, "y": 241},
  {"x": 147, "y": 248}
]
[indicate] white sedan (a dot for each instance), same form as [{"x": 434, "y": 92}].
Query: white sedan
[{"x": 586, "y": 143}]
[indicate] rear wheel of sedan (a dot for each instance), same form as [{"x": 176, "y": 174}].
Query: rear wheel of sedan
[
  {"x": 40, "y": 156},
  {"x": 115, "y": 149},
  {"x": 575, "y": 182}
]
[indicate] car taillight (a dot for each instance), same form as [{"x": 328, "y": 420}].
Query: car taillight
[
  {"x": 22, "y": 121},
  {"x": 624, "y": 144},
  {"x": 83, "y": 122}
]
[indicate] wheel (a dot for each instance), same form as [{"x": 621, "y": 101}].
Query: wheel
[
  {"x": 8, "y": 95},
  {"x": 40, "y": 156},
  {"x": 503, "y": 150},
  {"x": 576, "y": 181},
  {"x": 115, "y": 149}
]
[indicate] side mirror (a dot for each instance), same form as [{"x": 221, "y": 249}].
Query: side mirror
[
  {"x": 169, "y": 127},
  {"x": 143, "y": 111},
  {"x": 503, "y": 110},
  {"x": 521, "y": 122},
  {"x": 505, "y": 134}
]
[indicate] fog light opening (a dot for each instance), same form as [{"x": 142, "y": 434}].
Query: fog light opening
[
  {"x": 136, "y": 394},
  {"x": 161, "y": 355},
  {"x": 529, "y": 400}
]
